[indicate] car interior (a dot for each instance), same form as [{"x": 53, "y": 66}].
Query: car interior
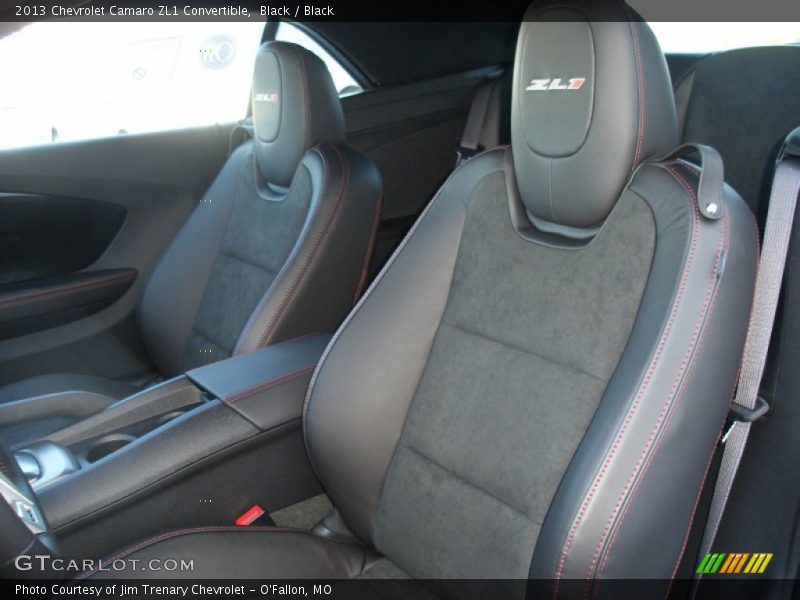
[{"x": 504, "y": 302}]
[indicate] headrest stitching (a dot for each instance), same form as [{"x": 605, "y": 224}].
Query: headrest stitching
[
  {"x": 640, "y": 86},
  {"x": 550, "y": 186},
  {"x": 302, "y": 61}
]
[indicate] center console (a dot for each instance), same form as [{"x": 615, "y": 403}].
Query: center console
[{"x": 198, "y": 449}]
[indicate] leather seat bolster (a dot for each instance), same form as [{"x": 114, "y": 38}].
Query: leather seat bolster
[
  {"x": 241, "y": 553},
  {"x": 646, "y": 442},
  {"x": 329, "y": 259},
  {"x": 418, "y": 275}
]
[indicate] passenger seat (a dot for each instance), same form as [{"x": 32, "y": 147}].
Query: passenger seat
[
  {"x": 276, "y": 249},
  {"x": 534, "y": 385}
]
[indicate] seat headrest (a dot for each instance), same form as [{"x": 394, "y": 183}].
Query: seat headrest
[
  {"x": 295, "y": 107},
  {"x": 591, "y": 100}
]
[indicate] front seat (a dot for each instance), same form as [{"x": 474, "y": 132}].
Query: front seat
[
  {"x": 535, "y": 383},
  {"x": 277, "y": 248}
]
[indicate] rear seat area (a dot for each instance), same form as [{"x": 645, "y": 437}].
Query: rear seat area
[{"x": 743, "y": 103}]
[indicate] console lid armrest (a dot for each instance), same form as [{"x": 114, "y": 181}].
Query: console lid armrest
[{"x": 268, "y": 386}]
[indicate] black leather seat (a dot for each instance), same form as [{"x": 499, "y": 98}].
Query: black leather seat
[
  {"x": 534, "y": 384},
  {"x": 277, "y": 248}
]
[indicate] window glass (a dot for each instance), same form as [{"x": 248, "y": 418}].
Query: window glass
[
  {"x": 73, "y": 81},
  {"x": 714, "y": 37},
  {"x": 345, "y": 84}
]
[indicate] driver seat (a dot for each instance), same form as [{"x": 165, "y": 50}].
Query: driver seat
[{"x": 534, "y": 385}]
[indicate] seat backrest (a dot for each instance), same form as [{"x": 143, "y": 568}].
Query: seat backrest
[
  {"x": 744, "y": 103},
  {"x": 279, "y": 245},
  {"x": 550, "y": 353}
]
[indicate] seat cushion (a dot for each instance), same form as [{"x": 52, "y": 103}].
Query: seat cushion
[
  {"x": 244, "y": 553},
  {"x": 103, "y": 392}
]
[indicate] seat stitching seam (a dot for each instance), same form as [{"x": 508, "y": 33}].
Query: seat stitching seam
[
  {"x": 640, "y": 90},
  {"x": 713, "y": 449},
  {"x": 523, "y": 350},
  {"x": 269, "y": 384},
  {"x": 277, "y": 278},
  {"x": 343, "y": 186},
  {"x": 468, "y": 482},
  {"x": 370, "y": 247},
  {"x": 64, "y": 290},
  {"x": 668, "y": 402},
  {"x": 229, "y": 254},
  {"x": 181, "y": 532},
  {"x": 392, "y": 259},
  {"x": 681, "y": 380},
  {"x": 633, "y": 409}
]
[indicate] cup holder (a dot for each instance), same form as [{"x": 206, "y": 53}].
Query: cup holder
[{"x": 107, "y": 445}]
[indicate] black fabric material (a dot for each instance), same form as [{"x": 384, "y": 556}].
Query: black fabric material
[
  {"x": 743, "y": 103},
  {"x": 591, "y": 100},
  {"x": 478, "y": 389},
  {"x": 258, "y": 238},
  {"x": 325, "y": 273},
  {"x": 295, "y": 107}
]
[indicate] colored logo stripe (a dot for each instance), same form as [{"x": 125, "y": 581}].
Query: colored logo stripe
[
  {"x": 734, "y": 562},
  {"x": 758, "y": 563}
]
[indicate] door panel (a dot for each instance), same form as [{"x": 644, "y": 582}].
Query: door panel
[
  {"x": 43, "y": 303},
  {"x": 45, "y": 236},
  {"x": 133, "y": 192}
]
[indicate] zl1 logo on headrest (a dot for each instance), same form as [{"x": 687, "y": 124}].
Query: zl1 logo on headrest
[
  {"x": 266, "y": 97},
  {"x": 543, "y": 85}
]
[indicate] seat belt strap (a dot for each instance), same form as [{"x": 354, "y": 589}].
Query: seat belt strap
[
  {"x": 747, "y": 406},
  {"x": 470, "y": 143}
]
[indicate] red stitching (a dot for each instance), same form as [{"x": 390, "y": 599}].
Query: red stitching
[
  {"x": 171, "y": 534},
  {"x": 662, "y": 412},
  {"x": 705, "y": 314},
  {"x": 691, "y": 518},
  {"x": 266, "y": 385},
  {"x": 370, "y": 247},
  {"x": 385, "y": 269},
  {"x": 710, "y": 458},
  {"x": 317, "y": 243},
  {"x": 640, "y": 86},
  {"x": 268, "y": 294},
  {"x": 65, "y": 290},
  {"x": 634, "y": 405},
  {"x": 301, "y": 59}
]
